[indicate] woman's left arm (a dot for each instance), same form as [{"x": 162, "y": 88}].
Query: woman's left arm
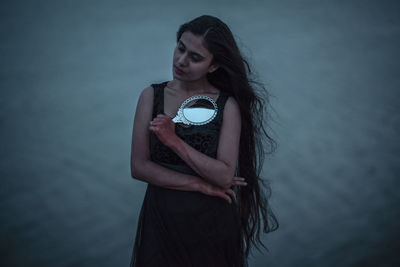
[{"x": 219, "y": 171}]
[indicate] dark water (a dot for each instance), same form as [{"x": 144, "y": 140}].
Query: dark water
[{"x": 71, "y": 72}]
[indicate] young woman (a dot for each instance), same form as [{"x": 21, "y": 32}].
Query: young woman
[{"x": 203, "y": 205}]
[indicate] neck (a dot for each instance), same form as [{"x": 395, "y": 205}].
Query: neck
[{"x": 198, "y": 86}]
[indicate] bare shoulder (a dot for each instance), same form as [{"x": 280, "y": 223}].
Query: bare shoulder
[
  {"x": 232, "y": 118},
  {"x": 147, "y": 93},
  {"x": 231, "y": 107},
  {"x": 232, "y": 103},
  {"x": 145, "y": 102}
]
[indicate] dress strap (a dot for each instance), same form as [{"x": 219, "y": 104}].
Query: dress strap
[
  {"x": 158, "y": 99},
  {"x": 221, "y": 101}
]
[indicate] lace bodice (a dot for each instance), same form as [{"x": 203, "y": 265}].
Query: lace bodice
[{"x": 203, "y": 138}]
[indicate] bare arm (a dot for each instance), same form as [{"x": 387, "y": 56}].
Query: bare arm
[
  {"x": 219, "y": 171},
  {"x": 142, "y": 168}
]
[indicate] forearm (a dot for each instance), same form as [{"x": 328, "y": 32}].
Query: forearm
[
  {"x": 148, "y": 171},
  {"x": 213, "y": 170}
]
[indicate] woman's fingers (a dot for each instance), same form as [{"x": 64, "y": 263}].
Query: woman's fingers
[
  {"x": 238, "y": 181},
  {"x": 212, "y": 190},
  {"x": 153, "y": 129},
  {"x": 157, "y": 122},
  {"x": 223, "y": 193},
  {"x": 227, "y": 198},
  {"x": 160, "y": 119},
  {"x": 228, "y": 195},
  {"x": 231, "y": 193}
]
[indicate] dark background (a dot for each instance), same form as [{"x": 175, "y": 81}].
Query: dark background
[{"x": 70, "y": 76}]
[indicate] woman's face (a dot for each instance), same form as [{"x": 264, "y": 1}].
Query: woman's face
[{"x": 191, "y": 58}]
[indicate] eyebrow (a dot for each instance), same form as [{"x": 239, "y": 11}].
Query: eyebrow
[{"x": 190, "y": 51}]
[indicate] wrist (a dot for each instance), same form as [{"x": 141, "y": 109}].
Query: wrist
[
  {"x": 174, "y": 142},
  {"x": 197, "y": 185}
]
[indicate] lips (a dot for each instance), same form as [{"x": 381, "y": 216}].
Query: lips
[{"x": 178, "y": 70}]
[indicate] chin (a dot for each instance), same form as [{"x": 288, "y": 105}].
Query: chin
[{"x": 177, "y": 77}]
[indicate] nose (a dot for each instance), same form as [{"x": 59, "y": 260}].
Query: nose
[{"x": 182, "y": 60}]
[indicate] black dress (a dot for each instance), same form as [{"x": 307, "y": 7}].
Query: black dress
[{"x": 186, "y": 228}]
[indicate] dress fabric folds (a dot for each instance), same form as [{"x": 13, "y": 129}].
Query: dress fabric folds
[{"x": 185, "y": 228}]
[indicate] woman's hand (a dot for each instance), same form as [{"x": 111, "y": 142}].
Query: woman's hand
[
  {"x": 163, "y": 127},
  {"x": 216, "y": 191},
  {"x": 238, "y": 181}
]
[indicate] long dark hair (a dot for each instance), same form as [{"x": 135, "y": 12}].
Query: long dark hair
[{"x": 233, "y": 77}]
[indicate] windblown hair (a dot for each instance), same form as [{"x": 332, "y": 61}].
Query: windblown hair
[{"x": 232, "y": 77}]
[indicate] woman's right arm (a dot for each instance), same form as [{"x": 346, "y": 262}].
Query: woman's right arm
[{"x": 142, "y": 168}]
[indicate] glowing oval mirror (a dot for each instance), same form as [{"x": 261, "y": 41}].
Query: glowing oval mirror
[{"x": 196, "y": 110}]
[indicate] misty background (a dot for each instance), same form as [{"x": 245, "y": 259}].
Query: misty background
[{"x": 70, "y": 76}]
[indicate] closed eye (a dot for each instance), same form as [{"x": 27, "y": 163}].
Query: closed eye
[{"x": 194, "y": 56}]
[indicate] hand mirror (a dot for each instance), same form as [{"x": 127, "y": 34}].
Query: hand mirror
[{"x": 196, "y": 110}]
